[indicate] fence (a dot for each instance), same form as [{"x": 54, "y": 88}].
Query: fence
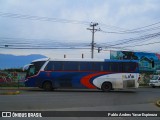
[{"x": 12, "y": 79}]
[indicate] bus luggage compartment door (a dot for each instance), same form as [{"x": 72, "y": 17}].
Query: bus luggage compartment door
[{"x": 128, "y": 83}]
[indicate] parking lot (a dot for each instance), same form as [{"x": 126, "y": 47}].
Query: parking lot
[{"x": 141, "y": 99}]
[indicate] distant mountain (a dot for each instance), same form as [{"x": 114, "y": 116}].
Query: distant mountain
[{"x": 12, "y": 61}]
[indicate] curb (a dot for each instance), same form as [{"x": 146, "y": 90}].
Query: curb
[
  {"x": 144, "y": 87},
  {"x": 11, "y": 93},
  {"x": 158, "y": 103},
  {"x": 16, "y": 88}
]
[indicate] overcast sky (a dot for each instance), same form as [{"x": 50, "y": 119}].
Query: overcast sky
[{"x": 42, "y": 21}]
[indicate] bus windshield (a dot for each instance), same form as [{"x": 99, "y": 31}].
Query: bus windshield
[{"x": 34, "y": 68}]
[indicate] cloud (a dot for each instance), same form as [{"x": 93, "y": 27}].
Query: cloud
[{"x": 127, "y": 14}]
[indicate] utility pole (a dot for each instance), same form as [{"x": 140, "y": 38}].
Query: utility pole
[{"x": 93, "y": 30}]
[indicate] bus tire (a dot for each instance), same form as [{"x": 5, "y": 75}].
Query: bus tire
[
  {"x": 106, "y": 86},
  {"x": 47, "y": 86}
]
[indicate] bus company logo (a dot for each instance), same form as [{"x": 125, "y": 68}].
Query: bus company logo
[
  {"x": 6, "y": 114},
  {"x": 129, "y": 76}
]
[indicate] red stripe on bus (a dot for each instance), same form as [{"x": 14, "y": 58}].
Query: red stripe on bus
[{"x": 86, "y": 80}]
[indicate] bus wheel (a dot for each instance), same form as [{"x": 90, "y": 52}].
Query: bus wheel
[
  {"x": 47, "y": 86},
  {"x": 106, "y": 86}
]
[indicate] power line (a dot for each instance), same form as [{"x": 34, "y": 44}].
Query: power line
[
  {"x": 50, "y": 19},
  {"x": 131, "y": 32},
  {"x": 20, "y": 43},
  {"x": 58, "y": 45},
  {"x": 123, "y": 47},
  {"x": 8, "y": 47},
  {"x": 145, "y": 26},
  {"x": 30, "y": 17},
  {"x": 132, "y": 40},
  {"x": 141, "y": 44},
  {"x": 124, "y": 31},
  {"x": 21, "y": 40},
  {"x": 120, "y": 30},
  {"x": 111, "y": 27}
]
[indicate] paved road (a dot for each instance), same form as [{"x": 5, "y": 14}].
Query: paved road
[{"x": 141, "y": 99}]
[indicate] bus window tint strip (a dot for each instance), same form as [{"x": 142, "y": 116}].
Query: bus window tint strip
[{"x": 90, "y": 66}]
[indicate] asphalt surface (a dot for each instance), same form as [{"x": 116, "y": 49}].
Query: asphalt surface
[{"x": 141, "y": 99}]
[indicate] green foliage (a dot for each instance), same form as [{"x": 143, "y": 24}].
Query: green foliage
[
  {"x": 14, "y": 70},
  {"x": 144, "y": 84}
]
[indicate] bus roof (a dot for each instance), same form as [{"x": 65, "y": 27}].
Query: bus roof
[
  {"x": 42, "y": 59},
  {"x": 109, "y": 60},
  {"x": 68, "y": 59},
  {"x": 84, "y": 59}
]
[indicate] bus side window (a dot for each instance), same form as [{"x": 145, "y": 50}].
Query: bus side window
[
  {"x": 86, "y": 66},
  {"x": 71, "y": 66},
  {"x": 109, "y": 67},
  {"x": 125, "y": 67},
  {"x": 58, "y": 65},
  {"x": 120, "y": 67},
  {"x": 113, "y": 67},
  {"x": 105, "y": 66},
  {"x": 133, "y": 66},
  {"x": 97, "y": 66},
  {"x": 129, "y": 67},
  {"x": 50, "y": 66}
]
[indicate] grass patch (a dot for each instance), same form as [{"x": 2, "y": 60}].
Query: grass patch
[{"x": 10, "y": 93}]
